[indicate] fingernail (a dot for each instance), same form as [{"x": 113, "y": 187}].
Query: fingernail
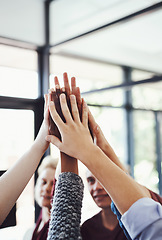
[
  {"x": 57, "y": 86},
  {"x": 51, "y": 103},
  {"x": 85, "y": 104},
  {"x": 62, "y": 96},
  {"x": 72, "y": 97},
  {"x": 47, "y": 138}
]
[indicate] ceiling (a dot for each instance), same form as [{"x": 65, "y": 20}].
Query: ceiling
[{"x": 135, "y": 43}]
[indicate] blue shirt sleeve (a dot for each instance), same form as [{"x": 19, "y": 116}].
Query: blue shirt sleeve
[
  {"x": 143, "y": 220},
  {"x": 117, "y": 213}
]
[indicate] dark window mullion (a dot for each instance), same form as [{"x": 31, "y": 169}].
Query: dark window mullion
[{"x": 158, "y": 150}]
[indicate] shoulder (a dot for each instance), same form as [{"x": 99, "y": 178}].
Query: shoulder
[{"x": 156, "y": 197}]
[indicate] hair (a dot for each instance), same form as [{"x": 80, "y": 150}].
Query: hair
[{"x": 47, "y": 162}]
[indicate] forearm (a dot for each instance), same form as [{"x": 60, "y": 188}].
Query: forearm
[
  {"x": 68, "y": 164},
  {"x": 107, "y": 149},
  {"x": 16, "y": 178},
  {"x": 66, "y": 208},
  {"x": 122, "y": 188}
]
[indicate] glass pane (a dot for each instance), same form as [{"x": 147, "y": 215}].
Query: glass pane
[
  {"x": 138, "y": 75},
  {"x": 14, "y": 142},
  {"x": 90, "y": 75},
  {"x": 83, "y": 15},
  {"x": 160, "y": 121},
  {"x": 23, "y": 20},
  {"x": 135, "y": 43},
  {"x": 18, "y": 72},
  {"x": 18, "y": 83},
  {"x": 20, "y": 58},
  {"x": 145, "y": 170},
  {"x": 148, "y": 96},
  {"x": 112, "y": 123},
  {"x": 110, "y": 98}
]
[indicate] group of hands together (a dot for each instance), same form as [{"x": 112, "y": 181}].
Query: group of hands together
[{"x": 68, "y": 122}]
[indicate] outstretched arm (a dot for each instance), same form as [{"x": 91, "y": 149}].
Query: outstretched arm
[
  {"x": 103, "y": 144},
  {"x": 77, "y": 142},
  {"x": 16, "y": 178}
]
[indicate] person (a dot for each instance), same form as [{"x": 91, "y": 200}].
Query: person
[
  {"x": 132, "y": 200},
  {"x": 67, "y": 202},
  {"x": 104, "y": 225},
  {"x": 43, "y": 196},
  {"x": 14, "y": 180},
  {"x": 107, "y": 149}
]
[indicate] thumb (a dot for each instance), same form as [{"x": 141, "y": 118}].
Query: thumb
[{"x": 54, "y": 140}]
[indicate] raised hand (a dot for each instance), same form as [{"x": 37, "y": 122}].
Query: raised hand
[
  {"x": 44, "y": 130},
  {"x": 75, "y": 133},
  {"x": 54, "y": 96}
]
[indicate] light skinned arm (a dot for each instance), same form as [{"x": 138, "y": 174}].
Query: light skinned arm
[
  {"x": 16, "y": 178},
  {"x": 103, "y": 144},
  {"x": 77, "y": 142}
]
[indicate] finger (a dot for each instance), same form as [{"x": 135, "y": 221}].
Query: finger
[
  {"x": 49, "y": 97},
  {"x": 91, "y": 119},
  {"x": 55, "y": 116},
  {"x": 51, "y": 90},
  {"x": 84, "y": 114},
  {"x": 74, "y": 108},
  {"x": 54, "y": 140},
  {"x": 65, "y": 109},
  {"x": 56, "y": 81},
  {"x": 63, "y": 90},
  {"x": 46, "y": 115},
  {"x": 45, "y": 101},
  {"x": 66, "y": 83},
  {"x": 58, "y": 90},
  {"x": 94, "y": 127},
  {"x": 78, "y": 99},
  {"x": 73, "y": 86}
]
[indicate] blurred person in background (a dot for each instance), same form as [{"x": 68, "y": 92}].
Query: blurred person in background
[
  {"x": 104, "y": 225},
  {"x": 43, "y": 196}
]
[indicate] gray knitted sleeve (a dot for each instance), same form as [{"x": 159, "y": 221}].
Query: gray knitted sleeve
[{"x": 66, "y": 208}]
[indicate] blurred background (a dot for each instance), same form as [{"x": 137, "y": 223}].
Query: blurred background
[{"x": 114, "y": 49}]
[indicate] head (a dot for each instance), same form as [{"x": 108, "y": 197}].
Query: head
[
  {"x": 44, "y": 184},
  {"x": 97, "y": 191}
]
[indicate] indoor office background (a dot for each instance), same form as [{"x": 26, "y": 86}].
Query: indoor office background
[{"x": 114, "y": 48}]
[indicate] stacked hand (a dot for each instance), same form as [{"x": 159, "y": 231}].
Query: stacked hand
[
  {"x": 75, "y": 133},
  {"x": 54, "y": 96}
]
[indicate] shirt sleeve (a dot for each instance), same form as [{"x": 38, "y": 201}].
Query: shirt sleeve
[
  {"x": 143, "y": 220},
  {"x": 117, "y": 213},
  {"x": 66, "y": 208}
]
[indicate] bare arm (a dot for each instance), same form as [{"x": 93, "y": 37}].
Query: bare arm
[
  {"x": 77, "y": 142},
  {"x": 104, "y": 145},
  {"x": 16, "y": 178}
]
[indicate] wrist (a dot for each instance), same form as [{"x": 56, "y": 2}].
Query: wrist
[
  {"x": 38, "y": 146},
  {"x": 89, "y": 154}
]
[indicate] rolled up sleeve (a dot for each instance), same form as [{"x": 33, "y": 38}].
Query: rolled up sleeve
[{"x": 140, "y": 218}]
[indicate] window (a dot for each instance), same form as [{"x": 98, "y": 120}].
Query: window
[
  {"x": 17, "y": 134},
  {"x": 145, "y": 170},
  {"x": 18, "y": 72}
]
